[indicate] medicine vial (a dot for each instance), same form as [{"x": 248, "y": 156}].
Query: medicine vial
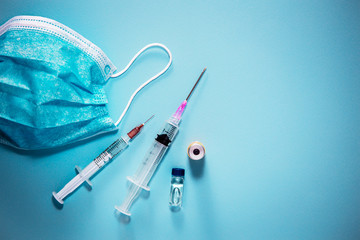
[
  {"x": 177, "y": 187},
  {"x": 196, "y": 151}
]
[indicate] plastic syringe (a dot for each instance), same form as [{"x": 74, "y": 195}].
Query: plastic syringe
[
  {"x": 140, "y": 180},
  {"x": 111, "y": 152}
]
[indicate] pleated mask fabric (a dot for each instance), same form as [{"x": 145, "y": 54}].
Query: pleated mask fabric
[{"x": 51, "y": 85}]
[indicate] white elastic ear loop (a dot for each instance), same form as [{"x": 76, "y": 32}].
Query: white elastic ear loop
[{"x": 148, "y": 81}]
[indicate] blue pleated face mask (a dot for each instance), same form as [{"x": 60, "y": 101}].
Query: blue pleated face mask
[{"x": 52, "y": 84}]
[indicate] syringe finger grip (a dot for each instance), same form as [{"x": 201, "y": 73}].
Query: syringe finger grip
[
  {"x": 78, "y": 171},
  {"x": 147, "y": 188}
]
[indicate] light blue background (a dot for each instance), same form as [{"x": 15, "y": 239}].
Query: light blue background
[{"x": 278, "y": 111}]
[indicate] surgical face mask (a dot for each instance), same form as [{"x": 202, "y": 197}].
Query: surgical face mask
[{"x": 52, "y": 84}]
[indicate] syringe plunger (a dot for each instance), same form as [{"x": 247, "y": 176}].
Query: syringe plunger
[
  {"x": 111, "y": 152},
  {"x": 84, "y": 175}
]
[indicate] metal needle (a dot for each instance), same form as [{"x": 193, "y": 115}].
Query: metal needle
[{"x": 195, "y": 84}]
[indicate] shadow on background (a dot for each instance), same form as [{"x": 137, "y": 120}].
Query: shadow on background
[
  {"x": 175, "y": 208},
  {"x": 56, "y": 203},
  {"x": 122, "y": 218},
  {"x": 197, "y": 167}
]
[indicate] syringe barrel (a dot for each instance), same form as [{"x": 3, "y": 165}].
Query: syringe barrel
[
  {"x": 155, "y": 154},
  {"x": 116, "y": 147},
  {"x": 112, "y": 151},
  {"x": 170, "y": 128},
  {"x": 148, "y": 166}
]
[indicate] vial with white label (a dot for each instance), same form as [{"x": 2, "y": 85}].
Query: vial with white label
[{"x": 177, "y": 188}]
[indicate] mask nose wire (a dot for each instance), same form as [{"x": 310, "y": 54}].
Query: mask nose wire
[{"x": 159, "y": 45}]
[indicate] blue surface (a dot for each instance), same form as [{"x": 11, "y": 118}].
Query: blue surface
[{"x": 278, "y": 112}]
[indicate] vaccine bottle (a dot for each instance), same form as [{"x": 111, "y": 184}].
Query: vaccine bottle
[{"x": 177, "y": 188}]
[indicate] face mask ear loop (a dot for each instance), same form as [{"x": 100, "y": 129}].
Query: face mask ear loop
[{"x": 148, "y": 81}]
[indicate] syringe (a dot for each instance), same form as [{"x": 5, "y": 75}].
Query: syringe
[
  {"x": 148, "y": 166},
  {"x": 111, "y": 152}
]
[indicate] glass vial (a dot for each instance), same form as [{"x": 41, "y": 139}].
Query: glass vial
[{"x": 177, "y": 188}]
